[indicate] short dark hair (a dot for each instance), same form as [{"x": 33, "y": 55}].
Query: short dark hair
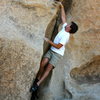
[{"x": 74, "y": 27}]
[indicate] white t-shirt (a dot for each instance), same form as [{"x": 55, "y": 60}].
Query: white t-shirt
[{"x": 63, "y": 38}]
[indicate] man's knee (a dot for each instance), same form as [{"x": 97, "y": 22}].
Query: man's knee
[
  {"x": 44, "y": 62},
  {"x": 49, "y": 67}
]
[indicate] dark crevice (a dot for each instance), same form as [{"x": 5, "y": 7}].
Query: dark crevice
[
  {"x": 67, "y": 94},
  {"x": 67, "y": 5}
]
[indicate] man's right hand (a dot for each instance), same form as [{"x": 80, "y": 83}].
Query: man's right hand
[
  {"x": 60, "y": 4},
  {"x": 63, "y": 15}
]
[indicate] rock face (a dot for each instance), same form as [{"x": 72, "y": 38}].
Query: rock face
[
  {"x": 81, "y": 59},
  {"x": 89, "y": 72},
  {"x": 23, "y": 24}
]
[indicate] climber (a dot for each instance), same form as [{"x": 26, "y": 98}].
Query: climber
[{"x": 56, "y": 52}]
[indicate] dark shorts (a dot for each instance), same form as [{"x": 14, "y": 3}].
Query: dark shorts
[{"x": 53, "y": 57}]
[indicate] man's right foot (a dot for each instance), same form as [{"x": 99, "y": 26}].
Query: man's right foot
[{"x": 36, "y": 80}]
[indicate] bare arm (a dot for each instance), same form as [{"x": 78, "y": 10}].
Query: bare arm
[
  {"x": 58, "y": 46},
  {"x": 63, "y": 15}
]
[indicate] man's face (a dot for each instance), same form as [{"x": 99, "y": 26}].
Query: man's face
[{"x": 68, "y": 28}]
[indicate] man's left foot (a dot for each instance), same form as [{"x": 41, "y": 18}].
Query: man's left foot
[
  {"x": 35, "y": 82},
  {"x": 35, "y": 87}
]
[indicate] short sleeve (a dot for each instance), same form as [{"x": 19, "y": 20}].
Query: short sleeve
[
  {"x": 63, "y": 26},
  {"x": 64, "y": 40}
]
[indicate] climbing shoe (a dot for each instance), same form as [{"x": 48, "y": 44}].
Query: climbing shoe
[
  {"x": 35, "y": 87},
  {"x": 35, "y": 82},
  {"x": 34, "y": 95}
]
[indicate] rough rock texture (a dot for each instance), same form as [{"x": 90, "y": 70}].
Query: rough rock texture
[
  {"x": 89, "y": 72},
  {"x": 23, "y": 24},
  {"x": 82, "y": 47}
]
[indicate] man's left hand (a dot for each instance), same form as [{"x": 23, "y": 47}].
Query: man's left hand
[{"x": 46, "y": 39}]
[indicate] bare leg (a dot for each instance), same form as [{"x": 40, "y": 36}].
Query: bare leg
[
  {"x": 42, "y": 66},
  {"x": 46, "y": 73}
]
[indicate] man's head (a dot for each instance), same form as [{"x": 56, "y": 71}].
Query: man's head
[{"x": 72, "y": 28}]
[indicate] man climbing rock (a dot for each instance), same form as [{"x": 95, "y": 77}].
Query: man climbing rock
[{"x": 56, "y": 51}]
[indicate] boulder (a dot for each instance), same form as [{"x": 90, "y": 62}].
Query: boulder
[
  {"x": 88, "y": 72},
  {"x": 83, "y": 51},
  {"x": 23, "y": 25}
]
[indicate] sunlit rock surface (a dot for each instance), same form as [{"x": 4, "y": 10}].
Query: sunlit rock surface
[
  {"x": 87, "y": 73},
  {"x": 23, "y": 24},
  {"x": 83, "y": 51}
]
